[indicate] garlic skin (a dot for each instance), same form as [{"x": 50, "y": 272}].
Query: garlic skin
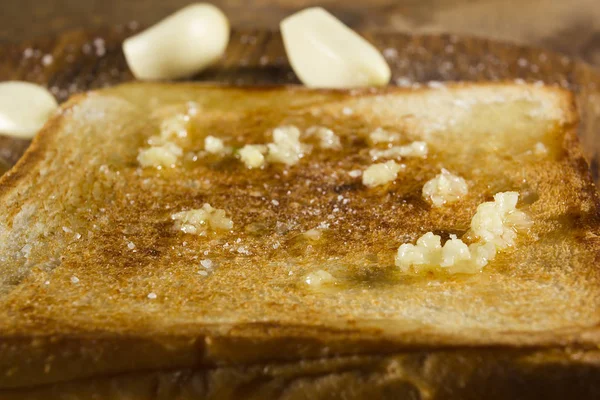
[
  {"x": 180, "y": 45},
  {"x": 326, "y": 53},
  {"x": 24, "y": 108}
]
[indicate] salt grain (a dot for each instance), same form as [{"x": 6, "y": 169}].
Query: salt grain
[
  {"x": 152, "y": 295},
  {"x": 74, "y": 279},
  {"x": 403, "y": 82},
  {"x": 390, "y": 53},
  {"x": 323, "y": 225},
  {"x": 540, "y": 149},
  {"x": 243, "y": 250},
  {"x": 130, "y": 245},
  {"x": 206, "y": 263},
  {"x": 436, "y": 85},
  {"x": 47, "y": 60},
  {"x": 100, "y": 49},
  {"x": 203, "y": 273}
]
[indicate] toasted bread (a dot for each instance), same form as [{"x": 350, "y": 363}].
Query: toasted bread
[{"x": 97, "y": 281}]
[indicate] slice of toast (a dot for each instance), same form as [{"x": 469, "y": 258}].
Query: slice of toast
[{"x": 99, "y": 280}]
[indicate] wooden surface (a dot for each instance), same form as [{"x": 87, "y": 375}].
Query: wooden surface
[
  {"x": 568, "y": 26},
  {"x": 77, "y": 61}
]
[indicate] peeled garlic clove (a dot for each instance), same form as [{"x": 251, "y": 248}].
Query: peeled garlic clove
[
  {"x": 180, "y": 45},
  {"x": 326, "y": 53},
  {"x": 24, "y": 108}
]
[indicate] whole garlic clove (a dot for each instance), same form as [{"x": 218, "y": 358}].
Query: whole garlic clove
[
  {"x": 326, "y": 53},
  {"x": 180, "y": 45},
  {"x": 24, "y": 108}
]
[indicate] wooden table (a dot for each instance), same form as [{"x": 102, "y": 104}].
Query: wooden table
[{"x": 569, "y": 26}]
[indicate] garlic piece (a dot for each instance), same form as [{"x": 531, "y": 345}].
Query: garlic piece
[
  {"x": 180, "y": 45},
  {"x": 24, "y": 108},
  {"x": 319, "y": 278},
  {"x": 445, "y": 188},
  {"x": 382, "y": 173},
  {"x": 253, "y": 155},
  {"x": 198, "y": 221},
  {"x": 213, "y": 145},
  {"x": 326, "y": 53},
  {"x": 495, "y": 226}
]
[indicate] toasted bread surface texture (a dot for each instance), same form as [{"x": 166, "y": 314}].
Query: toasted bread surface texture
[{"x": 96, "y": 278}]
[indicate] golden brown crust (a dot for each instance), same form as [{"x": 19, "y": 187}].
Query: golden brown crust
[{"x": 254, "y": 308}]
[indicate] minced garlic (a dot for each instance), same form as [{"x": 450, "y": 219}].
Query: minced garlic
[
  {"x": 445, "y": 188},
  {"x": 327, "y": 138},
  {"x": 380, "y": 174},
  {"x": 163, "y": 151},
  {"x": 253, "y": 155},
  {"x": 497, "y": 221},
  {"x": 380, "y": 135},
  {"x": 286, "y": 147},
  {"x": 426, "y": 252},
  {"x": 495, "y": 226},
  {"x": 540, "y": 149},
  {"x": 454, "y": 257},
  {"x": 317, "y": 278},
  {"x": 198, "y": 221},
  {"x": 415, "y": 149},
  {"x": 214, "y": 145},
  {"x": 174, "y": 126},
  {"x": 160, "y": 156}
]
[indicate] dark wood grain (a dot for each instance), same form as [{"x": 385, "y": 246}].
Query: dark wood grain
[
  {"x": 571, "y": 27},
  {"x": 83, "y": 60}
]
